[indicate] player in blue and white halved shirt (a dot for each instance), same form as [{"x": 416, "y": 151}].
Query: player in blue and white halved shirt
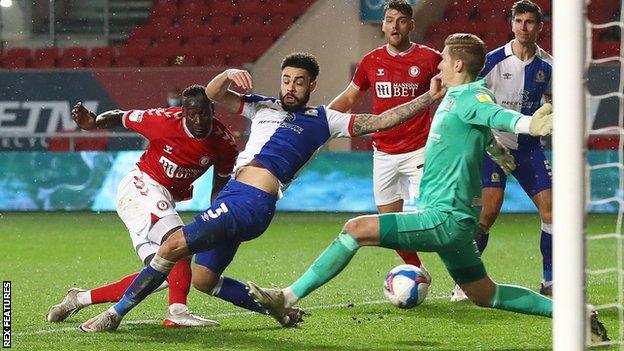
[
  {"x": 285, "y": 135},
  {"x": 519, "y": 73}
]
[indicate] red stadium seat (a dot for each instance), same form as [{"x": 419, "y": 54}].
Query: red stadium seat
[
  {"x": 154, "y": 61},
  {"x": 98, "y": 61},
  {"x": 71, "y": 62},
  {"x": 43, "y": 62},
  {"x": 240, "y": 59},
  {"x": 220, "y": 7},
  {"x": 212, "y": 60},
  {"x": 221, "y": 24},
  {"x": 19, "y": 52},
  {"x": 102, "y": 51},
  {"x": 51, "y": 52},
  {"x": 193, "y": 8},
  {"x": 126, "y": 61},
  {"x": 164, "y": 9},
  {"x": 15, "y": 62}
]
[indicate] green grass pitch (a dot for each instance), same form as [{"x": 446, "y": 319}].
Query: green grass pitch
[{"x": 44, "y": 254}]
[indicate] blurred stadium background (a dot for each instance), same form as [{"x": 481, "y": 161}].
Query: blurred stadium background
[{"x": 128, "y": 53}]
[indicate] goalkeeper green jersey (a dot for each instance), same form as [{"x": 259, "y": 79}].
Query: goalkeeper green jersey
[{"x": 454, "y": 152}]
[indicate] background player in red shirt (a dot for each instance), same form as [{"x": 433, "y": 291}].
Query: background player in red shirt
[
  {"x": 183, "y": 144},
  {"x": 397, "y": 72}
]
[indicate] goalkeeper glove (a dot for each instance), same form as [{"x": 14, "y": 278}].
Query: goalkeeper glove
[
  {"x": 501, "y": 156},
  {"x": 541, "y": 122}
]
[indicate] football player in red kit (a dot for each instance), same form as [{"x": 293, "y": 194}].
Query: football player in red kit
[
  {"x": 396, "y": 72},
  {"x": 184, "y": 142}
]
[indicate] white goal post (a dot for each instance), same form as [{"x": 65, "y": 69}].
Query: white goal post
[{"x": 569, "y": 38}]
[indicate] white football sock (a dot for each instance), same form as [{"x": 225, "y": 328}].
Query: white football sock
[
  {"x": 290, "y": 296},
  {"x": 84, "y": 298}
]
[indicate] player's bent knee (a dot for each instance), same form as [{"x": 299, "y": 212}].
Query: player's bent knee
[
  {"x": 360, "y": 228},
  {"x": 174, "y": 248},
  {"x": 204, "y": 279}
]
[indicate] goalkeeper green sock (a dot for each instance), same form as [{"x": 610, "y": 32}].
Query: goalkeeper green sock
[
  {"x": 331, "y": 262},
  {"x": 522, "y": 300}
]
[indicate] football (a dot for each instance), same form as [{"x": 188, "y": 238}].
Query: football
[{"x": 406, "y": 285}]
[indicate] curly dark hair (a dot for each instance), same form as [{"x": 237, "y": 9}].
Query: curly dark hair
[{"x": 302, "y": 60}]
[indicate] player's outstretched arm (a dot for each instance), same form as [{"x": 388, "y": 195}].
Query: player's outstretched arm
[
  {"x": 540, "y": 124},
  {"x": 368, "y": 123},
  {"x": 219, "y": 92},
  {"x": 345, "y": 100},
  {"x": 87, "y": 120}
]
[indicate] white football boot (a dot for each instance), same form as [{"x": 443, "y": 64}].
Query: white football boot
[
  {"x": 178, "y": 315},
  {"x": 458, "y": 294},
  {"x": 107, "y": 321},
  {"x": 67, "y": 307},
  {"x": 275, "y": 303}
]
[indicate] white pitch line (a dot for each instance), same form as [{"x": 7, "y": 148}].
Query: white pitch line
[{"x": 219, "y": 315}]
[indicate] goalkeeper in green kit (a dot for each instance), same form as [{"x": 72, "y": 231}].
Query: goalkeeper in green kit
[{"x": 445, "y": 221}]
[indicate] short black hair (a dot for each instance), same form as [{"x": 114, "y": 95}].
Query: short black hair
[
  {"x": 302, "y": 60},
  {"x": 199, "y": 91},
  {"x": 524, "y": 6},
  {"x": 400, "y": 5}
]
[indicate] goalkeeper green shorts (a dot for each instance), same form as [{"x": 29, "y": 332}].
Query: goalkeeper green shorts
[{"x": 435, "y": 231}]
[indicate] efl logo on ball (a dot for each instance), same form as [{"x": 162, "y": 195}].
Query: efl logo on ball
[{"x": 406, "y": 285}]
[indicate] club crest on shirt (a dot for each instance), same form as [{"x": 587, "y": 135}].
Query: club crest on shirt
[
  {"x": 168, "y": 149},
  {"x": 540, "y": 76},
  {"x": 380, "y": 72},
  {"x": 162, "y": 205},
  {"x": 204, "y": 161},
  {"x": 414, "y": 71},
  {"x": 311, "y": 112},
  {"x": 495, "y": 178}
]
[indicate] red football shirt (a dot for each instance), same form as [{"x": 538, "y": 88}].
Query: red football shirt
[
  {"x": 174, "y": 157},
  {"x": 397, "y": 79}
]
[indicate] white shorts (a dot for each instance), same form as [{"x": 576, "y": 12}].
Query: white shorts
[
  {"x": 397, "y": 176},
  {"x": 148, "y": 211}
]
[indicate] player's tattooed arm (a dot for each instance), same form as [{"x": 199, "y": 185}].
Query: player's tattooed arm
[
  {"x": 218, "y": 88},
  {"x": 369, "y": 123},
  {"x": 87, "y": 120}
]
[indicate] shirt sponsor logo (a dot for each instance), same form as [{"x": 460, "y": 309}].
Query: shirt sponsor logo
[
  {"x": 483, "y": 97},
  {"x": 434, "y": 136},
  {"x": 380, "y": 72},
  {"x": 414, "y": 71},
  {"x": 540, "y": 76},
  {"x": 172, "y": 170},
  {"x": 386, "y": 90}
]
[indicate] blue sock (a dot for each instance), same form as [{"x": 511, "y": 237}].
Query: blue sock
[
  {"x": 144, "y": 284},
  {"x": 546, "y": 249},
  {"x": 235, "y": 292}
]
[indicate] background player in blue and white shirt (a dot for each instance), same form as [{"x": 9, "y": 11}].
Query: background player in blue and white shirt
[
  {"x": 285, "y": 135},
  {"x": 519, "y": 73}
]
